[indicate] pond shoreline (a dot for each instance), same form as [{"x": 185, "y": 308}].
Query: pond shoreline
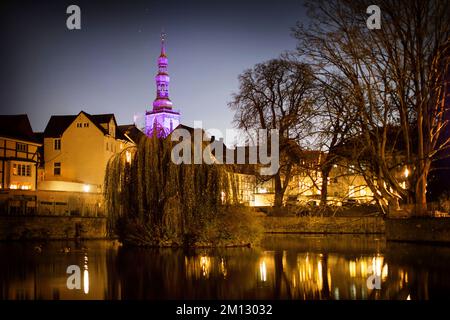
[{"x": 416, "y": 230}]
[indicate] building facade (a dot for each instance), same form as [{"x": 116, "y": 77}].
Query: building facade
[
  {"x": 19, "y": 157},
  {"x": 77, "y": 149}
]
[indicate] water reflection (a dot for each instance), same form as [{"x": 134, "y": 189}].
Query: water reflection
[{"x": 284, "y": 267}]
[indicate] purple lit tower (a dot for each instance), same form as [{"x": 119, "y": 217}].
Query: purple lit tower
[{"x": 162, "y": 119}]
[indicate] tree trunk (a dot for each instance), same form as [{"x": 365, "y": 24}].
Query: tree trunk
[
  {"x": 324, "y": 188},
  {"x": 421, "y": 196},
  {"x": 279, "y": 191}
]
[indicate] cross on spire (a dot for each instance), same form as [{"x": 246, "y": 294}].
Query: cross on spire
[{"x": 163, "y": 38}]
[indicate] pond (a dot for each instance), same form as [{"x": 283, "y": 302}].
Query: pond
[{"x": 282, "y": 267}]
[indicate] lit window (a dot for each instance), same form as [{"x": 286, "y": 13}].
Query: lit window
[
  {"x": 21, "y": 147},
  {"x": 57, "y": 144},
  {"x": 351, "y": 191},
  {"x": 57, "y": 169},
  {"x": 19, "y": 170}
]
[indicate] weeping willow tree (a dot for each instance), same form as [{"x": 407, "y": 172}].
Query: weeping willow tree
[{"x": 153, "y": 202}]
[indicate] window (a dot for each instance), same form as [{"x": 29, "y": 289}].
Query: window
[
  {"x": 79, "y": 125},
  {"x": 86, "y": 125},
  {"x": 21, "y": 147},
  {"x": 57, "y": 144},
  {"x": 22, "y": 170},
  {"x": 57, "y": 169},
  {"x": 351, "y": 191}
]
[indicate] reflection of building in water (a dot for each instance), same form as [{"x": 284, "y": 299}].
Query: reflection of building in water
[
  {"x": 323, "y": 276},
  {"x": 266, "y": 268},
  {"x": 204, "y": 266},
  {"x": 44, "y": 276}
]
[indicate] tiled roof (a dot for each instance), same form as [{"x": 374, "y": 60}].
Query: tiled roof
[
  {"x": 58, "y": 124},
  {"x": 17, "y": 127},
  {"x": 130, "y": 130}
]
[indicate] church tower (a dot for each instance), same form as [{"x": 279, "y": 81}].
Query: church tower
[{"x": 162, "y": 119}]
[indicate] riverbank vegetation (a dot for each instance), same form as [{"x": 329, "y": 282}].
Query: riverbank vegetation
[{"x": 153, "y": 202}]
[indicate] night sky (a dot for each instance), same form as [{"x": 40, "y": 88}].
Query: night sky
[{"x": 109, "y": 65}]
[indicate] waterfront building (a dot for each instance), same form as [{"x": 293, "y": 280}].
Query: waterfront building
[
  {"x": 77, "y": 149},
  {"x": 19, "y": 157}
]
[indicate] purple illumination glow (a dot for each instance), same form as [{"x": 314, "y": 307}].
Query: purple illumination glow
[{"x": 162, "y": 119}]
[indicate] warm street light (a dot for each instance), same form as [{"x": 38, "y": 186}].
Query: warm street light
[{"x": 406, "y": 172}]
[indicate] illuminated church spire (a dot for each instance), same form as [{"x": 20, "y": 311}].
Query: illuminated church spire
[
  {"x": 162, "y": 118},
  {"x": 162, "y": 80}
]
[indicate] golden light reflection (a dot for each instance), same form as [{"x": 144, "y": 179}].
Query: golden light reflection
[
  {"x": 263, "y": 271},
  {"x": 222, "y": 268},
  {"x": 320, "y": 275},
  {"x": 86, "y": 276},
  {"x": 363, "y": 266},
  {"x": 352, "y": 268},
  {"x": 310, "y": 271},
  {"x": 86, "y": 281},
  {"x": 384, "y": 272},
  {"x": 205, "y": 264},
  {"x": 378, "y": 268}
]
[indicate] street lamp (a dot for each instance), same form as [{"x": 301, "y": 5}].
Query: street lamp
[{"x": 406, "y": 172}]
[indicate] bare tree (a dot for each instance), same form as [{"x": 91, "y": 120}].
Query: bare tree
[
  {"x": 334, "y": 124},
  {"x": 395, "y": 77},
  {"x": 277, "y": 95}
]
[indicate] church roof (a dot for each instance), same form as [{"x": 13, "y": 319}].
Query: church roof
[{"x": 17, "y": 127}]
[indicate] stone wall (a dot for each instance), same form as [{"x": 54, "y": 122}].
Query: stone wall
[
  {"x": 58, "y": 203},
  {"x": 354, "y": 225},
  {"x": 51, "y": 227},
  {"x": 418, "y": 230}
]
